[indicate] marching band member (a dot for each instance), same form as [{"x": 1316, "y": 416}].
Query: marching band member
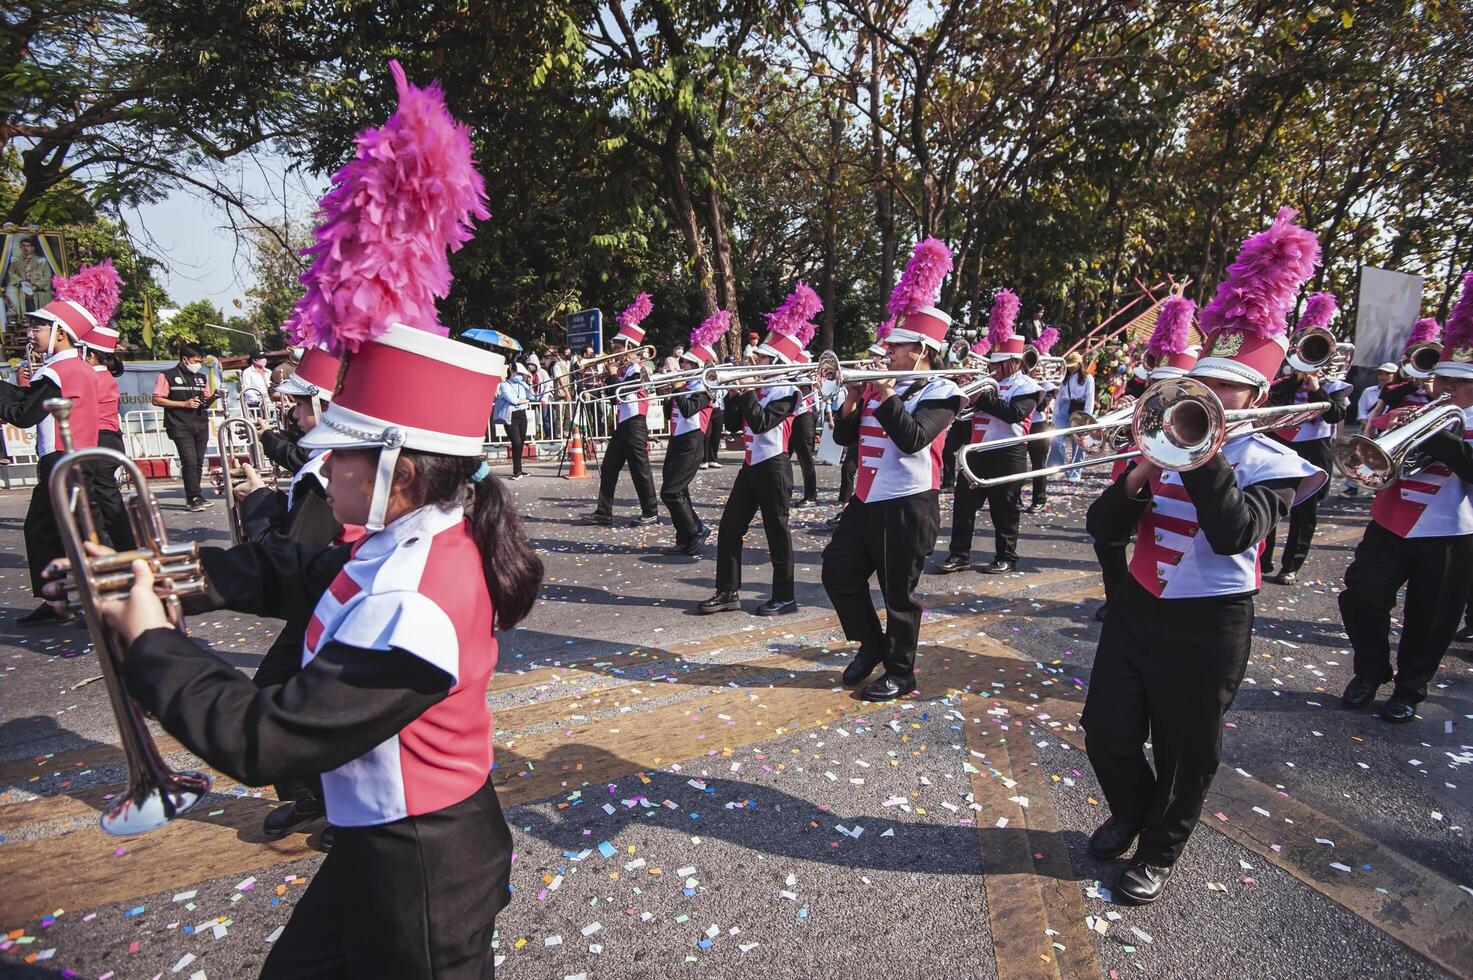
[
  {"x": 805, "y": 426},
  {"x": 58, "y": 329},
  {"x": 1139, "y": 380},
  {"x": 302, "y": 394},
  {"x": 1414, "y": 388},
  {"x": 715, "y": 429},
  {"x": 890, "y": 524},
  {"x": 960, "y": 432},
  {"x": 1364, "y": 405},
  {"x": 1003, "y": 415},
  {"x": 765, "y": 481},
  {"x": 631, "y": 440},
  {"x": 1038, "y": 450},
  {"x": 1170, "y": 354},
  {"x": 849, "y": 462},
  {"x": 1420, "y": 536},
  {"x": 690, "y": 417},
  {"x": 390, "y": 704},
  {"x": 1175, "y": 645},
  {"x": 1310, "y": 440},
  {"x": 255, "y": 385}
]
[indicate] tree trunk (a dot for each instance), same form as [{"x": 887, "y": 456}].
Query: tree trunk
[
  {"x": 683, "y": 210},
  {"x": 884, "y": 195},
  {"x": 830, "y": 230}
]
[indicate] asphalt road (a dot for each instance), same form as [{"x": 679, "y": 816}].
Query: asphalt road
[{"x": 696, "y": 796}]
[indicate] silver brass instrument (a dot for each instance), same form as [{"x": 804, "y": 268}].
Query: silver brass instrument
[
  {"x": 828, "y": 367},
  {"x": 1339, "y": 365},
  {"x": 156, "y": 793},
  {"x": 645, "y": 353},
  {"x": 1050, "y": 370},
  {"x": 231, "y": 471},
  {"x": 985, "y": 385},
  {"x": 1314, "y": 347},
  {"x": 743, "y": 377},
  {"x": 1420, "y": 359},
  {"x": 1377, "y": 462},
  {"x": 1177, "y": 424}
]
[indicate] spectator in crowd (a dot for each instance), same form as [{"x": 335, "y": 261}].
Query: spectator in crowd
[
  {"x": 513, "y": 402},
  {"x": 183, "y": 393}
]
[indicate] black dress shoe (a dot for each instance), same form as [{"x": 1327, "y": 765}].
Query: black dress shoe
[
  {"x": 999, "y": 567},
  {"x": 1102, "y": 613},
  {"x": 694, "y": 547},
  {"x": 676, "y": 549},
  {"x": 1464, "y": 635},
  {"x": 325, "y": 841},
  {"x": 721, "y": 602},
  {"x": 1359, "y": 693},
  {"x": 1030, "y": 508},
  {"x": 597, "y": 520},
  {"x": 1266, "y": 567},
  {"x": 1141, "y": 883},
  {"x": 1398, "y": 710},
  {"x": 860, "y": 668},
  {"x": 1112, "y": 838},
  {"x": 44, "y": 615},
  {"x": 953, "y": 563},
  {"x": 804, "y": 504},
  {"x": 776, "y": 607},
  {"x": 291, "y": 813},
  {"x": 888, "y": 688},
  {"x": 1285, "y": 578}
]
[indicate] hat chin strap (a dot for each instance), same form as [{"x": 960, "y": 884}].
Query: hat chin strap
[{"x": 383, "y": 478}]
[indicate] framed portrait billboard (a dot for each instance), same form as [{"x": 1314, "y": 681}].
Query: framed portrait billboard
[{"x": 29, "y": 257}]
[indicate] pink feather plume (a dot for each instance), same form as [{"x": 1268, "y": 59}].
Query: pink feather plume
[
  {"x": 1047, "y": 337},
  {"x": 1005, "y": 306},
  {"x": 806, "y": 332},
  {"x": 920, "y": 284},
  {"x": 1319, "y": 310},
  {"x": 801, "y": 306},
  {"x": 635, "y": 312},
  {"x": 1263, "y": 281},
  {"x": 1173, "y": 333},
  {"x": 982, "y": 347},
  {"x": 410, "y": 192},
  {"x": 1425, "y": 329},
  {"x": 95, "y": 287},
  {"x": 1459, "y": 331},
  {"x": 883, "y": 330},
  {"x": 712, "y": 329}
]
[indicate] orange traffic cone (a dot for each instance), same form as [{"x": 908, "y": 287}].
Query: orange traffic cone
[{"x": 576, "y": 469}]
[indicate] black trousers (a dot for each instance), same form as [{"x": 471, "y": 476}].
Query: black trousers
[
  {"x": 1436, "y": 573},
  {"x": 1165, "y": 670},
  {"x": 800, "y": 443},
  {"x": 281, "y": 662},
  {"x": 108, "y": 498},
  {"x": 714, "y": 431},
  {"x": 1037, "y": 459},
  {"x": 1303, "y": 517},
  {"x": 42, "y": 536},
  {"x": 764, "y": 486},
  {"x": 848, "y": 473},
  {"x": 190, "y": 443},
  {"x": 892, "y": 538},
  {"x": 683, "y": 457},
  {"x": 630, "y": 444},
  {"x": 516, "y": 432},
  {"x": 957, "y": 436},
  {"x": 416, "y": 898},
  {"x": 1004, "y": 504}
]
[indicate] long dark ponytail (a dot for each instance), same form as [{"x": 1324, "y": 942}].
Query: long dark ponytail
[{"x": 511, "y": 565}]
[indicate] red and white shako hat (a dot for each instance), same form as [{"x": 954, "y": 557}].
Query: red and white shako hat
[
  {"x": 631, "y": 334},
  {"x": 1425, "y": 331},
  {"x": 316, "y": 377},
  {"x": 882, "y": 333},
  {"x": 913, "y": 301},
  {"x": 1457, "y": 339},
  {"x": 1246, "y": 322},
  {"x": 1007, "y": 345},
  {"x": 380, "y": 263},
  {"x": 84, "y": 305},
  {"x": 1319, "y": 310},
  {"x": 785, "y": 325},
  {"x": 1172, "y": 352},
  {"x": 704, "y": 338}
]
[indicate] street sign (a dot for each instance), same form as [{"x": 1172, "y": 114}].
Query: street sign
[{"x": 586, "y": 329}]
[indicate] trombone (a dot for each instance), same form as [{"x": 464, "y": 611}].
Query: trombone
[
  {"x": 1377, "y": 462},
  {"x": 828, "y": 367},
  {"x": 645, "y": 353},
  {"x": 156, "y": 793},
  {"x": 1178, "y": 424},
  {"x": 225, "y": 439}
]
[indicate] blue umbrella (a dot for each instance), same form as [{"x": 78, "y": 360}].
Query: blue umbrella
[{"x": 493, "y": 338}]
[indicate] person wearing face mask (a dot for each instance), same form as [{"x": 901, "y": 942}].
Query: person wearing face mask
[
  {"x": 255, "y": 384},
  {"x": 182, "y": 392}
]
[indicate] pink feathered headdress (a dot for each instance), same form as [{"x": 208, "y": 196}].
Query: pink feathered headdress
[
  {"x": 95, "y": 287},
  {"x": 1047, "y": 337},
  {"x": 712, "y": 329},
  {"x": 1261, "y": 284},
  {"x": 883, "y": 330},
  {"x": 410, "y": 192},
  {"x": 1424, "y": 330},
  {"x": 1319, "y": 310},
  {"x": 1173, "y": 333},
  {"x": 801, "y": 306},
  {"x": 1004, "y": 314},
  {"x": 635, "y": 312},
  {"x": 920, "y": 285},
  {"x": 1460, "y": 322},
  {"x": 982, "y": 347}
]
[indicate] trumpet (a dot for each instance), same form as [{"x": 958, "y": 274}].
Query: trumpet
[
  {"x": 1178, "y": 424},
  {"x": 225, "y": 439},
  {"x": 156, "y": 793},
  {"x": 1377, "y": 462},
  {"x": 1420, "y": 359}
]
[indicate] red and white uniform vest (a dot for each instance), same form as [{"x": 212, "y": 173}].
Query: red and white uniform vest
[
  {"x": 107, "y": 399},
  {"x": 1432, "y": 504},
  {"x": 417, "y": 585},
  {"x": 679, "y": 424},
  {"x": 635, "y": 402},
  {"x": 985, "y": 428},
  {"x": 1172, "y": 558},
  {"x": 885, "y": 472},
  {"x": 805, "y": 402},
  {"x": 1317, "y": 429},
  {"x": 74, "y": 377},
  {"x": 774, "y": 442}
]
